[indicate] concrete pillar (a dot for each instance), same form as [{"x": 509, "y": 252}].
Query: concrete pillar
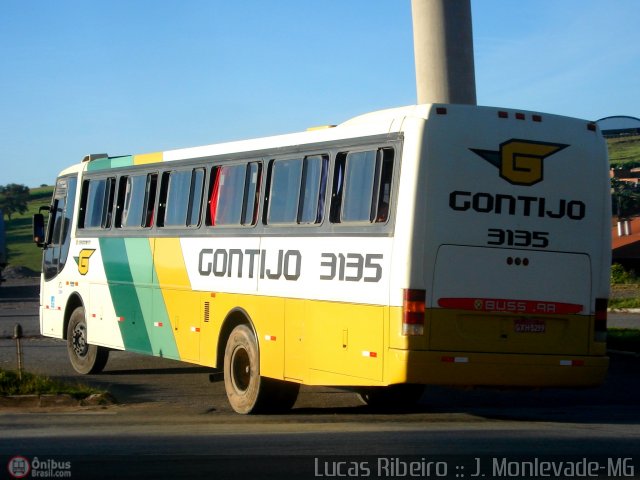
[{"x": 443, "y": 48}]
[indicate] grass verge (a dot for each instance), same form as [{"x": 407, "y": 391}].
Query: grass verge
[
  {"x": 32, "y": 384},
  {"x": 20, "y": 247},
  {"x": 622, "y": 303},
  {"x": 624, "y": 151},
  {"x": 626, "y": 339}
]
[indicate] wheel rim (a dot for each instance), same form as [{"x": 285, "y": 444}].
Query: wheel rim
[
  {"x": 240, "y": 369},
  {"x": 79, "y": 340}
]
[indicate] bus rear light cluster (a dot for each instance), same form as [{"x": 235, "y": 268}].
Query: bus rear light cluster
[
  {"x": 413, "y": 310},
  {"x": 600, "y": 322}
]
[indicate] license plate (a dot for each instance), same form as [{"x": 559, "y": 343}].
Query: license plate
[{"x": 526, "y": 325}]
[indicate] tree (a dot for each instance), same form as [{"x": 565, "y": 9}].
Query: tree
[{"x": 13, "y": 199}]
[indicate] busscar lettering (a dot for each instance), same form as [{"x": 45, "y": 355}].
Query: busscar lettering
[{"x": 501, "y": 204}]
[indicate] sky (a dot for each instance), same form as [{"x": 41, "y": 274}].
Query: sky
[{"x": 126, "y": 77}]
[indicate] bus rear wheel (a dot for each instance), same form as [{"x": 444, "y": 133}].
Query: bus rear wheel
[
  {"x": 85, "y": 358},
  {"x": 247, "y": 391}
]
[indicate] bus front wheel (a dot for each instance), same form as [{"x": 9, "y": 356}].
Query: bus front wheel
[
  {"x": 85, "y": 358},
  {"x": 247, "y": 391}
]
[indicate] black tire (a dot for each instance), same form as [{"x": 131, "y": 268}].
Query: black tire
[
  {"x": 247, "y": 391},
  {"x": 84, "y": 358},
  {"x": 394, "y": 397}
]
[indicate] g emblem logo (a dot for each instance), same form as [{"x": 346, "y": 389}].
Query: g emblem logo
[
  {"x": 520, "y": 161},
  {"x": 83, "y": 260}
]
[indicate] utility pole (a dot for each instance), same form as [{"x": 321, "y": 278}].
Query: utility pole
[{"x": 443, "y": 48}]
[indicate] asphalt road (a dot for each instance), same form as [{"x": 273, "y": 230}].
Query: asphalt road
[{"x": 173, "y": 423}]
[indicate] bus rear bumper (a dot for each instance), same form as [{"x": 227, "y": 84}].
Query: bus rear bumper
[{"x": 491, "y": 369}]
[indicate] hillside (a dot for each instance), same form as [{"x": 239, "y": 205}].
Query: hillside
[
  {"x": 624, "y": 151},
  {"x": 21, "y": 250}
]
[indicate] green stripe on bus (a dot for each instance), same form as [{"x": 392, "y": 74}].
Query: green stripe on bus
[
  {"x": 106, "y": 163},
  {"x": 126, "y": 300},
  {"x": 152, "y": 304}
]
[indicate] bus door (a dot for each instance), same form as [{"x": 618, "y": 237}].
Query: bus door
[
  {"x": 59, "y": 227},
  {"x": 56, "y": 245}
]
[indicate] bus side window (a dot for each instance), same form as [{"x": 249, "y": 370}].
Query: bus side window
[
  {"x": 384, "y": 186},
  {"x": 150, "y": 200},
  {"x": 195, "y": 197},
  {"x": 312, "y": 189},
  {"x": 121, "y": 201},
  {"x": 251, "y": 193},
  {"x": 362, "y": 186},
  {"x": 97, "y": 203},
  {"x": 337, "y": 187},
  {"x": 284, "y": 191},
  {"x": 213, "y": 196},
  {"x": 179, "y": 190},
  {"x": 107, "y": 213},
  {"x": 226, "y": 195},
  {"x": 130, "y": 205}
]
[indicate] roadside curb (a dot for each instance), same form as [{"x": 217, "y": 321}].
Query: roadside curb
[
  {"x": 624, "y": 310},
  {"x": 56, "y": 400}
]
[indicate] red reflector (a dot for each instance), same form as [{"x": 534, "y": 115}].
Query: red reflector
[
  {"x": 502, "y": 114},
  {"x": 572, "y": 363},
  {"x": 448, "y": 359},
  {"x": 520, "y": 116},
  {"x": 441, "y": 110},
  {"x": 537, "y": 118}
]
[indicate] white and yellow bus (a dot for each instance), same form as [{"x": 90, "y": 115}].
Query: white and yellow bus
[{"x": 430, "y": 244}]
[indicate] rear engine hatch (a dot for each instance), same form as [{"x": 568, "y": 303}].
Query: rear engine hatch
[{"x": 510, "y": 301}]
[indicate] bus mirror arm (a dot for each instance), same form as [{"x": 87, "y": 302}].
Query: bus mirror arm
[{"x": 38, "y": 228}]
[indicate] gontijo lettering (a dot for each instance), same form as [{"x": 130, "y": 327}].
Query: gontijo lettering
[{"x": 526, "y": 206}]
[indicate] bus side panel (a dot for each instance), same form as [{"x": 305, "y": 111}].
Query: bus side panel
[
  {"x": 122, "y": 257},
  {"x": 345, "y": 339}
]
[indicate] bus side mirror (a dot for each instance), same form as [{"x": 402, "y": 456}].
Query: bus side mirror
[{"x": 38, "y": 229}]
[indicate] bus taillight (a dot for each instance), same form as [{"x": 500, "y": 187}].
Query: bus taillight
[
  {"x": 413, "y": 312},
  {"x": 600, "y": 324}
]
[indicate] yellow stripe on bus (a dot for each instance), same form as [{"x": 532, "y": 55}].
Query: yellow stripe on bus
[{"x": 147, "y": 158}]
